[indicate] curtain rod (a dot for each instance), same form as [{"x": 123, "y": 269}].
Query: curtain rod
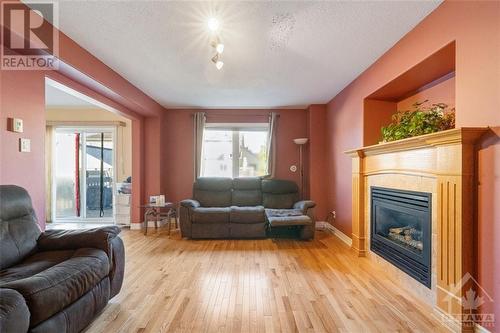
[
  {"x": 236, "y": 114},
  {"x": 84, "y": 123}
]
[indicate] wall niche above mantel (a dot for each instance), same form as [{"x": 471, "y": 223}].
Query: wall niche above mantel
[{"x": 432, "y": 79}]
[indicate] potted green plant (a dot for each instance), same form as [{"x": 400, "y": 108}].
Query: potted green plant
[{"x": 421, "y": 120}]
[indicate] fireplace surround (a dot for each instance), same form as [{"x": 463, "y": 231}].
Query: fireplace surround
[
  {"x": 443, "y": 164},
  {"x": 400, "y": 230}
]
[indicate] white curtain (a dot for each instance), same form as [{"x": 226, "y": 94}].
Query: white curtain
[
  {"x": 49, "y": 137},
  {"x": 271, "y": 145},
  {"x": 199, "y": 127}
]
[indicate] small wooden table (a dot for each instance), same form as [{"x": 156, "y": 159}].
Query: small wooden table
[{"x": 155, "y": 211}]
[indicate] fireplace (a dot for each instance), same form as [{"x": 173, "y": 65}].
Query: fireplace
[{"x": 401, "y": 230}]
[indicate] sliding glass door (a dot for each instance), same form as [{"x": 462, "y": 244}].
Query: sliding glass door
[
  {"x": 65, "y": 170},
  {"x": 83, "y": 175},
  {"x": 99, "y": 174}
]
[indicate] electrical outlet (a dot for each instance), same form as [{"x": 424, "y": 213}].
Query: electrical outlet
[{"x": 334, "y": 214}]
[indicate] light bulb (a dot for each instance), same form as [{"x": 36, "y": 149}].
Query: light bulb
[
  {"x": 219, "y": 48},
  {"x": 213, "y": 24},
  {"x": 219, "y": 64}
]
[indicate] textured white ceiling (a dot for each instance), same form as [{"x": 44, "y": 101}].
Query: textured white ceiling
[{"x": 277, "y": 53}]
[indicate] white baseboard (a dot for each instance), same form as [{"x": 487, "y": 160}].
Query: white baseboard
[
  {"x": 136, "y": 226},
  {"x": 480, "y": 329},
  {"x": 322, "y": 225},
  {"x": 453, "y": 324}
]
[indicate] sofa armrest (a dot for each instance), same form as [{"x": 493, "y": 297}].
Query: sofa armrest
[
  {"x": 14, "y": 312},
  {"x": 304, "y": 205},
  {"x": 117, "y": 270},
  {"x": 104, "y": 238},
  {"x": 98, "y": 238},
  {"x": 190, "y": 203},
  {"x": 185, "y": 221}
]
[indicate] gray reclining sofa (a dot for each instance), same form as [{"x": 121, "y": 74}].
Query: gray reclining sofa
[{"x": 244, "y": 208}]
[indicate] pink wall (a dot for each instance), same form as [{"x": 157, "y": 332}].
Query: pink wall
[
  {"x": 317, "y": 166},
  {"x": 488, "y": 228},
  {"x": 475, "y": 26},
  {"x": 443, "y": 92},
  {"x": 179, "y": 143},
  {"x": 22, "y": 95},
  {"x": 379, "y": 114}
]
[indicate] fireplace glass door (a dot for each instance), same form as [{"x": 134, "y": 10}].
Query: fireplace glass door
[
  {"x": 402, "y": 226},
  {"x": 401, "y": 230}
]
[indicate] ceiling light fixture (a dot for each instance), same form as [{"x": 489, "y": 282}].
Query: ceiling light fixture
[
  {"x": 215, "y": 41},
  {"x": 219, "y": 48},
  {"x": 213, "y": 24},
  {"x": 218, "y": 63},
  {"x": 217, "y": 45}
]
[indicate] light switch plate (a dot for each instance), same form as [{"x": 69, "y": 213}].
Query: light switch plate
[
  {"x": 15, "y": 125},
  {"x": 24, "y": 145}
]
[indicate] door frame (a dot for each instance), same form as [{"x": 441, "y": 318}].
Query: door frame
[{"x": 83, "y": 179}]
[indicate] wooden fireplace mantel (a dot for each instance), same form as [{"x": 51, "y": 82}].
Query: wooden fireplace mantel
[
  {"x": 453, "y": 136},
  {"x": 447, "y": 160}
]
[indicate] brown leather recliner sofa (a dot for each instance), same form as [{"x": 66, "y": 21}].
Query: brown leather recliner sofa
[{"x": 57, "y": 280}]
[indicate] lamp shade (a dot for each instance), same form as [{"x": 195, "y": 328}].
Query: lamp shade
[{"x": 300, "y": 141}]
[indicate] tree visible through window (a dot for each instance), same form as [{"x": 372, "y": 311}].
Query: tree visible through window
[{"x": 230, "y": 151}]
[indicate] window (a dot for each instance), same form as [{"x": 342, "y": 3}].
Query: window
[{"x": 234, "y": 150}]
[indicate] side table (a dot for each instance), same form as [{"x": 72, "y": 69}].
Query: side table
[{"x": 155, "y": 212}]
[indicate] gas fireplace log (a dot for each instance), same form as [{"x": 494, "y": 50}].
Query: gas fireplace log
[{"x": 419, "y": 245}]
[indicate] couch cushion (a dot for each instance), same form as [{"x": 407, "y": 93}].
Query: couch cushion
[
  {"x": 254, "y": 214},
  {"x": 213, "y": 184},
  {"x": 213, "y": 199},
  {"x": 213, "y": 191},
  {"x": 78, "y": 315},
  {"x": 283, "y": 212},
  {"x": 247, "y": 191},
  {"x": 279, "y": 201},
  {"x": 247, "y": 183},
  {"x": 286, "y": 217},
  {"x": 278, "y": 193},
  {"x": 279, "y": 186},
  {"x": 246, "y": 198},
  {"x": 18, "y": 225},
  {"x": 211, "y": 215},
  {"x": 34, "y": 264},
  {"x": 53, "y": 289}
]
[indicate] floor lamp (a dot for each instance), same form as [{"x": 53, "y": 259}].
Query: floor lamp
[{"x": 301, "y": 142}]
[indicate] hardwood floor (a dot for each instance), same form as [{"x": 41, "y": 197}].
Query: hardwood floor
[{"x": 175, "y": 285}]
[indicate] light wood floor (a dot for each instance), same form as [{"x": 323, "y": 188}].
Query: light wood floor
[{"x": 256, "y": 286}]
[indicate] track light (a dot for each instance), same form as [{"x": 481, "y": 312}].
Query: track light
[
  {"x": 219, "y": 48},
  {"x": 213, "y": 25},
  {"x": 218, "y": 63}
]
